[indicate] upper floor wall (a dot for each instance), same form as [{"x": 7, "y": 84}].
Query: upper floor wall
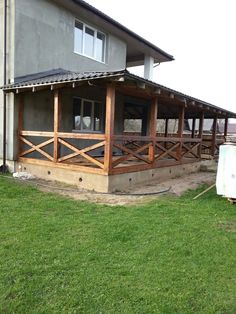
[{"x": 44, "y": 40}]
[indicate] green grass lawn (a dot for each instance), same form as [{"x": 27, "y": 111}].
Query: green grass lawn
[{"x": 173, "y": 255}]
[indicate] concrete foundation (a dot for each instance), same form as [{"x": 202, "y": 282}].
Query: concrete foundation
[
  {"x": 113, "y": 183},
  {"x": 11, "y": 164}
]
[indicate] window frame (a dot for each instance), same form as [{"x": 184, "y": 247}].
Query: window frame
[
  {"x": 93, "y": 102},
  {"x": 96, "y": 31}
]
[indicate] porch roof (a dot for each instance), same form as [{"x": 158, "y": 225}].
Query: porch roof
[{"x": 60, "y": 78}]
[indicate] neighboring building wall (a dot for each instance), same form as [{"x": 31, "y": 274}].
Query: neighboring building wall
[{"x": 45, "y": 41}]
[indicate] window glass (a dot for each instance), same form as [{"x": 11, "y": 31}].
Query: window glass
[
  {"x": 97, "y": 116},
  {"x": 89, "y": 42},
  {"x": 87, "y": 115},
  {"x": 77, "y": 113},
  {"x": 78, "y": 38},
  {"x": 100, "y": 47}
]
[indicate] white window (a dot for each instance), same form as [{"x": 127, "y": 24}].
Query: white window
[
  {"x": 89, "y": 42},
  {"x": 88, "y": 115}
]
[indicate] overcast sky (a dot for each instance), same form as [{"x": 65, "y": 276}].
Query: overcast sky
[{"x": 200, "y": 34}]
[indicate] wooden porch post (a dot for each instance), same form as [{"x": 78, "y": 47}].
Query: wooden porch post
[
  {"x": 166, "y": 127},
  {"x": 57, "y": 116},
  {"x": 20, "y": 122},
  {"x": 200, "y": 133},
  {"x": 193, "y": 127},
  {"x": 180, "y": 131},
  {"x": 153, "y": 128},
  {"x": 109, "y": 128},
  {"x": 226, "y": 127},
  {"x": 213, "y": 142}
]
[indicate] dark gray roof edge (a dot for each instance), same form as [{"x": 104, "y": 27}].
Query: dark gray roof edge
[
  {"x": 57, "y": 76},
  {"x": 127, "y": 73},
  {"x": 39, "y": 75},
  {"x": 107, "y": 18},
  {"x": 86, "y": 76}
]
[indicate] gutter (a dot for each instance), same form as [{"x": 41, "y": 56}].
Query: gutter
[{"x": 3, "y": 167}]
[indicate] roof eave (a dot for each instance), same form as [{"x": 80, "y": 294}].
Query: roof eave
[{"x": 166, "y": 56}]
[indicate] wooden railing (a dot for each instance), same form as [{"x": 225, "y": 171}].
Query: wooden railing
[
  {"x": 211, "y": 148},
  {"x": 130, "y": 153},
  {"x": 63, "y": 141},
  {"x": 166, "y": 149}
]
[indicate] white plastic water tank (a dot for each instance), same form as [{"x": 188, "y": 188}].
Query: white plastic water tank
[{"x": 226, "y": 171}]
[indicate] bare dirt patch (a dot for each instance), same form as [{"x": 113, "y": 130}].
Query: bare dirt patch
[{"x": 140, "y": 194}]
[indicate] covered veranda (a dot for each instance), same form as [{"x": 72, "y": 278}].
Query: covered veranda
[{"x": 49, "y": 136}]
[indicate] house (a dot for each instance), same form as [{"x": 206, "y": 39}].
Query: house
[{"x": 67, "y": 98}]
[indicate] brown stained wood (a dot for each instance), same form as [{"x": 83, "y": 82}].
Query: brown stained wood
[
  {"x": 36, "y": 148},
  {"x": 109, "y": 127},
  {"x": 166, "y": 127},
  {"x": 193, "y": 128},
  {"x": 226, "y": 127},
  {"x": 213, "y": 142},
  {"x": 20, "y": 121},
  {"x": 167, "y": 152},
  {"x": 201, "y": 124},
  {"x": 57, "y": 115},
  {"x": 137, "y": 138},
  {"x": 153, "y": 128},
  {"x": 78, "y": 151},
  {"x": 134, "y": 168},
  {"x": 37, "y": 133},
  {"x": 61, "y": 165},
  {"x": 131, "y": 154},
  {"x": 128, "y": 91},
  {"x": 181, "y": 122},
  {"x": 51, "y": 140},
  {"x": 189, "y": 150},
  {"x": 180, "y": 131},
  {"x": 86, "y": 136},
  {"x": 200, "y": 133},
  {"x": 82, "y": 153}
]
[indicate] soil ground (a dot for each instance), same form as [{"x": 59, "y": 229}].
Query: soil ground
[{"x": 139, "y": 194}]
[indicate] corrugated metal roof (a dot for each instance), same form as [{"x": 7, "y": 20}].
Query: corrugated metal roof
[
  {"x": 60, "y": 76},
  {"x": 57, "y": 76}
]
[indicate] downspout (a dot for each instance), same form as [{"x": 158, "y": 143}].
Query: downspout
[{"x": 4, "y": 167}]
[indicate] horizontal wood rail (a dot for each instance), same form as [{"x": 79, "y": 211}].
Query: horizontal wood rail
[
  {"x": 87, "y": 136},
  {"x": 135, "y": 148},
  {"x": 129, "y": 152},
  {"x": 62, "y": 140},
  {"x": 207, "y": 145}
]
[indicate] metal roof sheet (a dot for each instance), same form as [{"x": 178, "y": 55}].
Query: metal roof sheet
[{"x": 60, "y": 76}]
